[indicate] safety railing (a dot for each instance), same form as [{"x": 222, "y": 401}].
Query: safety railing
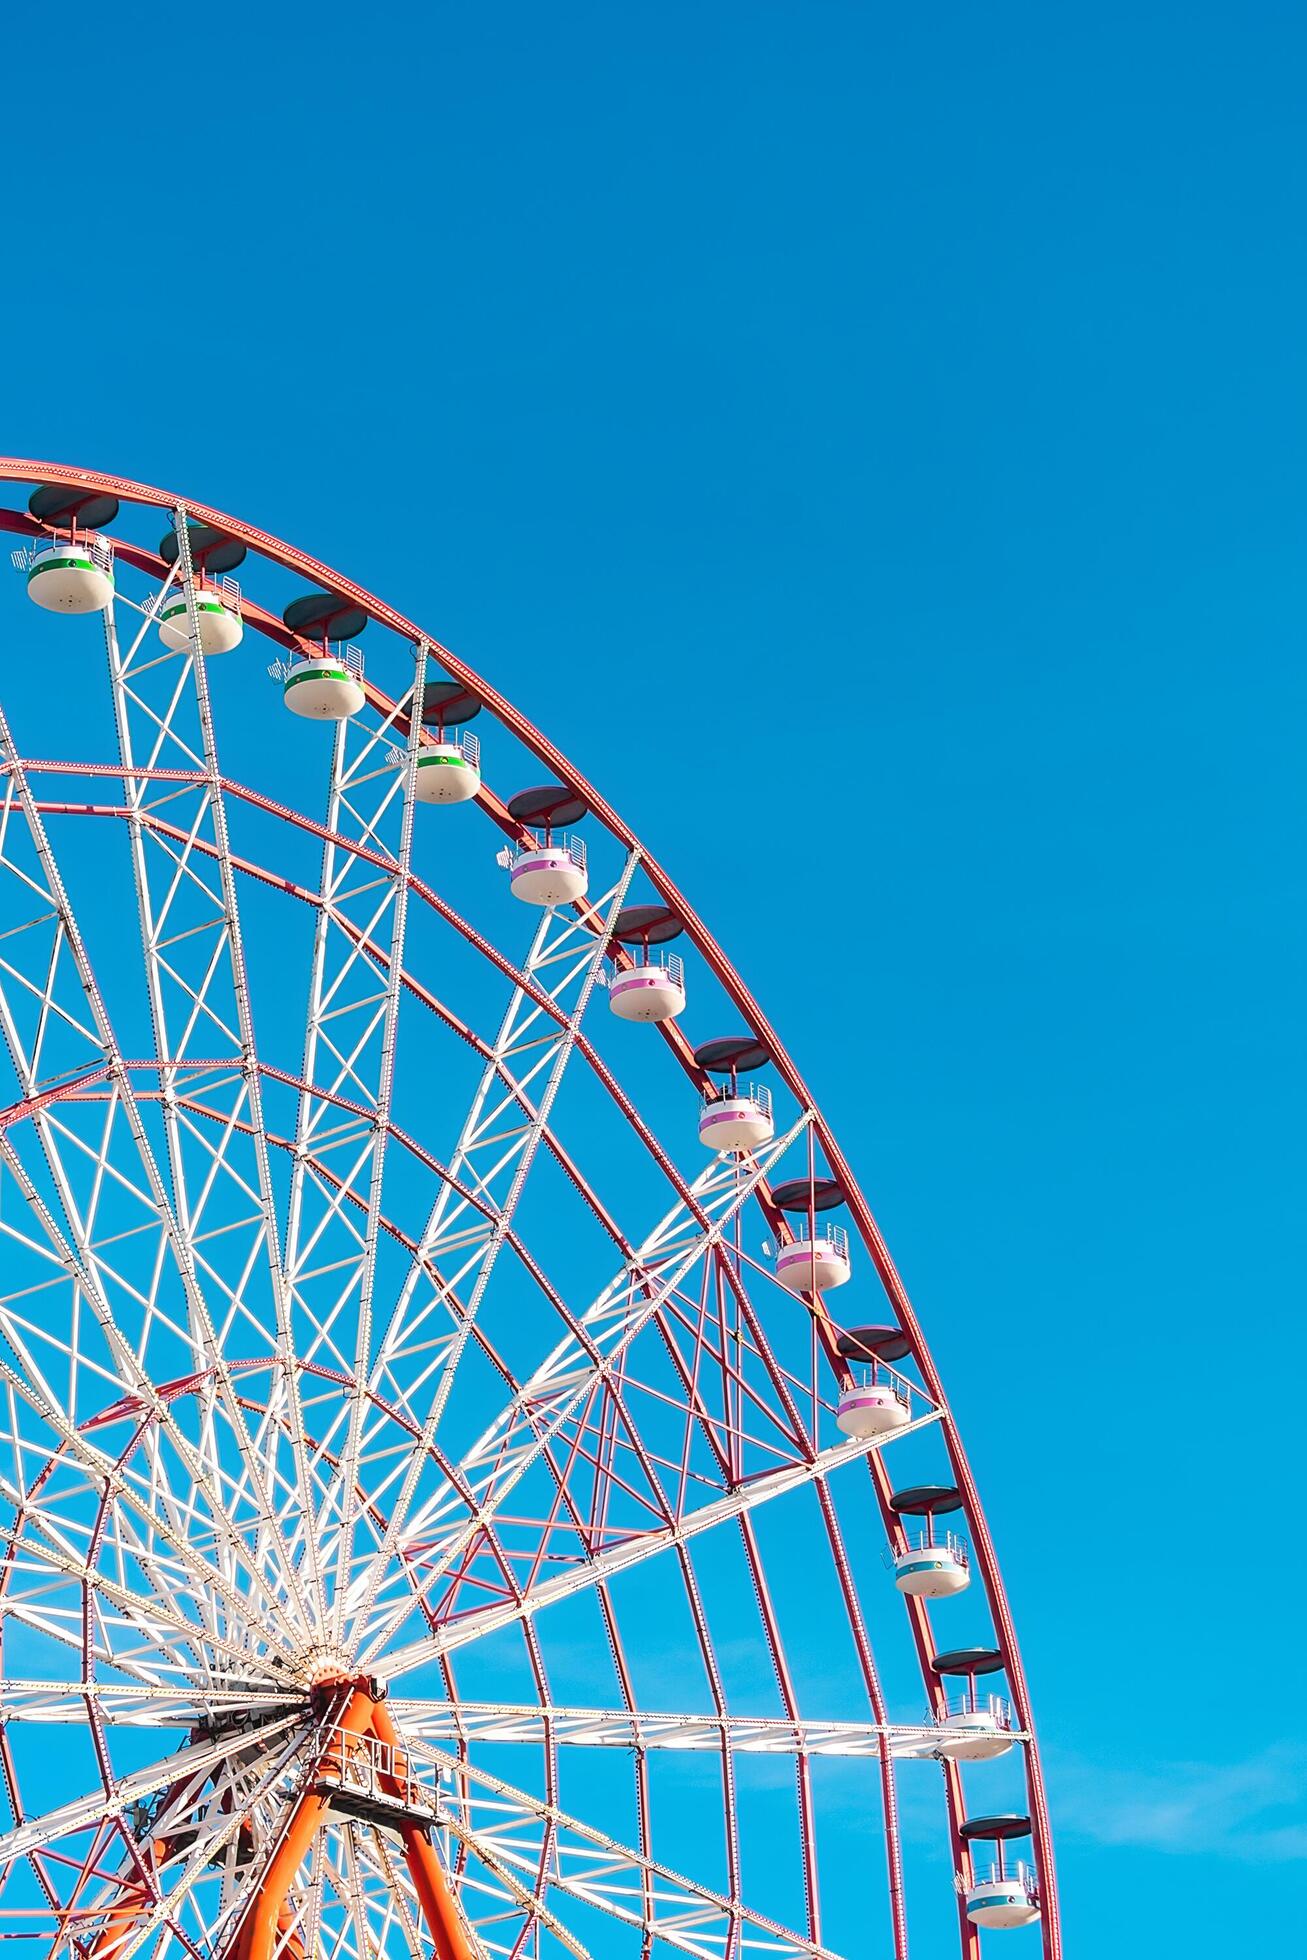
[
  {"x": 347, "y": 656},
  {"x": 98, "y": 550},
  {"x": 366, "y": 1767},
  {"x": 924, "y": 1541},
  {"x": 995, "y": 1872},
  {"x": 967, "y": 1702},
  {"x": 834, "y": 1236},
  {"x": 755, "y": 1092},
  {"x": 467, "y": 745},
  {"x": 654, "y": 957},
  {"x": 566, "y": 841},
  {"x": 226, "y": 590},
  {"x": 876, "y": 1374}
]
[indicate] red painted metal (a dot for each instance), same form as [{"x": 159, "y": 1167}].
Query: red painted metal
[{"x": 23, "y": 470}]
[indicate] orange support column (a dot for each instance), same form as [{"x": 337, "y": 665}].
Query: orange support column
[
  {"x": 269, "y": 1917},
  {"x": 444, "y": 1920},
  {"x": 266, "y": 1913}
]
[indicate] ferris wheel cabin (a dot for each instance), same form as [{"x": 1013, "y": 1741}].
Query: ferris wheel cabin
[
  {"x": 818, "y": 1259},
  {"x": 325, "y": 685},
  {"x": 932, "y": 1564},
  {"x": 734, "y": 1118},
  {"x": 217, "y": 598},
  {"x": 70, "y": 571},
  {"x": 552, "y": 871},
  {"x": 876, "y": 1400},
  {"x": 997, "y": 1893},
  {"x": 217, "y": 619},
  {"x": 652, "y": 987},
  {"x": 448, "y": 766},
  {"x": 972, "y": 1727}
]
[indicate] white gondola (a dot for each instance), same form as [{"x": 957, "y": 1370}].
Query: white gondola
[
  {"x": 217, "y": 616},
  {"x": 1004, "y": 1898},
  {"x": 739, "y": 1120},
  {"x": 872, "y": 1407},
  {"x": 814, "y": 1265},
  {"x": 71, "y": 575},
  {"x": 973, "y": 1729},
  {"x": 933, "y": 1568},
  {"x": 652, "y": 991},
  {"x": 449, "y": 772},
  {"x": 549, "y": 874},
  {"x": 323, "y": 686}
]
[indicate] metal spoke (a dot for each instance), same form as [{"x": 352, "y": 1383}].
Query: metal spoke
[
  {"x": 142, "y": 1706},
  {"x": 494, "y": 1467},
  {"x": 591, "y": 1868},
  {"x": 210, "y": 826},
  {"x": 349, "y": 1051},
  {"x": 619, "y": 1728},
  {"x": 514, "y": 1156},
  {"x": 278, "y": 1432},
  {"x": 100, "y": 1805},
  {"x": 622, "y": 1557},
  {"x": 208, "y": 1353}
]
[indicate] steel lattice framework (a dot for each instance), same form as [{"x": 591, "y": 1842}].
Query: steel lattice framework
[{"x": 349, "y": 1388}]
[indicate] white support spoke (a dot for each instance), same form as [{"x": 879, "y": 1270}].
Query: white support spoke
[
  {"x": 207, "y": 1354},
  {"x": 349, "y": 1058},
  {"x": 167, "y": 1516},
  {"x": 440, "y": 1531},
  {"x": 152, "y": 1614},
  {"x": 348, "y": 1882},
  {"x": 500, "y": 1090},
  {"x": 196, "y": 975},
  {"x": 347, "y": 1474},
  {"x": 502, "y": 1121},
  {"x": 641, "y": 1546},
  {"x": 141, "y": 1706},
  {"x": 591, "y": 1869},
  {"x": 375, "y": 1850},
  {"x": 534, "y": 1908},
  {"x": 536, "y": 1725},
  {"x": 98, "y": 1806}
]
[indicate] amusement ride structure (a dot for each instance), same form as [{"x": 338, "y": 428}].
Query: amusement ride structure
[{"x": 447, "y": 1503}]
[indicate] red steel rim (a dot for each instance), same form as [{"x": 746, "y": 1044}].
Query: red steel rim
[{"x": 27, "y": 470}]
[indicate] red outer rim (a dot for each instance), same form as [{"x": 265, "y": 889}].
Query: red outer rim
[{"x": 28, "y": 470}]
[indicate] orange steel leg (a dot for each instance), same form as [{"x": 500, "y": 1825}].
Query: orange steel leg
[
  {"x": 257, "y": 1935},
  {"x": 269, "y": 1915},
  {"x": 444, "y": 1921}
]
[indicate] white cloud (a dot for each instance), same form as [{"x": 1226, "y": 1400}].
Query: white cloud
[{"x": 1250, "y": 1810}]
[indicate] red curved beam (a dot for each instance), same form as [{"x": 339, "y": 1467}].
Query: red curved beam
[{"x": 28, "y": 470}]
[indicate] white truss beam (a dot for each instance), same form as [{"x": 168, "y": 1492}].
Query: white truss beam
[
  {"x": 98, "y": 1806},
  {"x": 590, "y": 1868},
  {"x": 349, "y": 1052},
  {"x": 619, "y": 1728},
  {"x": 494, "y": 1124},
  {"x": 641, "y": 1546},
  {"x": 538, "y": 1413}
]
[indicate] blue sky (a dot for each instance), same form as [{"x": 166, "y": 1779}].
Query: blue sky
[{"x": 910, "y": 403}]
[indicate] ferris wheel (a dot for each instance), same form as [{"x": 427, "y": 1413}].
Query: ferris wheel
[{"x": 471, "y": 1478}]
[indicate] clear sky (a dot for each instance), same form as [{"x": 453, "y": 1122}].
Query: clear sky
[{"x": 908, "y": 403}]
